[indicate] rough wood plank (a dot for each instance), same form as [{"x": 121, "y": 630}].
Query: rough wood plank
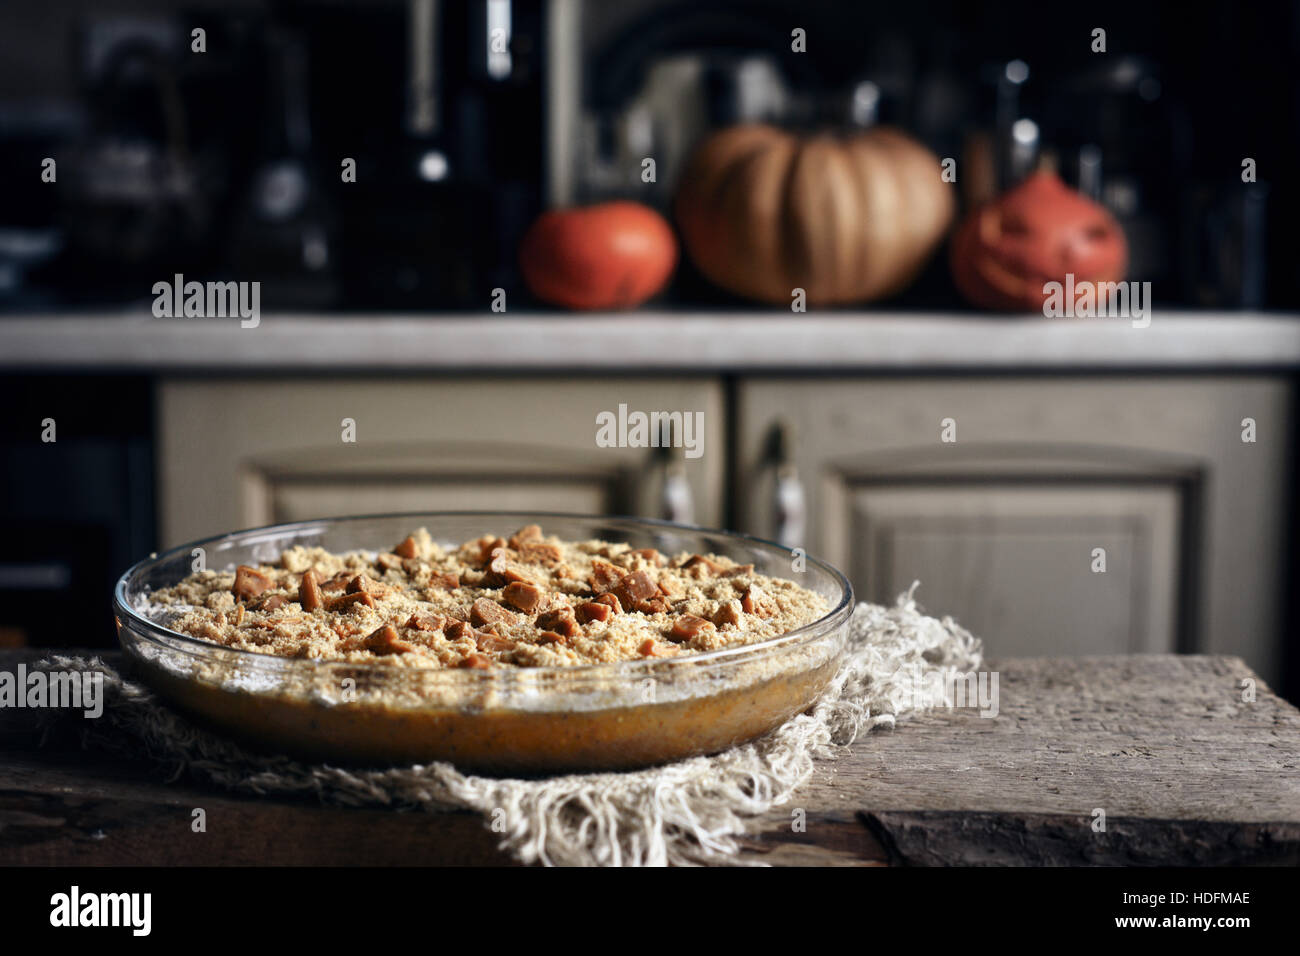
[
  {"x": 95, "y": 813},
  {"x": 944, "y": 838},
  {"x": 1186, "y": 771}
]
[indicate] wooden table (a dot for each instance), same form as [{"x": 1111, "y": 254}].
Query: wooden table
[{"x": 1184, "y": 769}]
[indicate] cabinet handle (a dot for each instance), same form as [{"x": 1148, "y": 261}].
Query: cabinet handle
[
  {"x": 789, "y": 510},
  {"x": 676, "y": 501},
  {"x": 678, "y": 504},
  {"x": 789, "y": 503}
]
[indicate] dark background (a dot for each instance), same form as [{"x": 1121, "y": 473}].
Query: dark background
[{"x": 1183, "y": 93}]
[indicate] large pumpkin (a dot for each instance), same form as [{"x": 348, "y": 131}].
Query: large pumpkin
[
  {"x": 1008, "y": 249},
  {"x": 845, "y": 218},
  {"x": 613, "y": 255}
]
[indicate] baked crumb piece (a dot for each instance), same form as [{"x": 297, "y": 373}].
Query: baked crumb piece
[{"x": 528, "y": 600}]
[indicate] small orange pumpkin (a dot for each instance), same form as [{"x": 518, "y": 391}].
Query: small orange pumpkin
[
  {"x": 614, "y": 255},
  {"x": 845, "y": 218},
  {"x": 1009, "y": 248}
]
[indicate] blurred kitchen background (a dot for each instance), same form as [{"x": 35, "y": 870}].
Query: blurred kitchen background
[
  {"x": 228, "y": 162},
  {"x": 467, "y": 120}
]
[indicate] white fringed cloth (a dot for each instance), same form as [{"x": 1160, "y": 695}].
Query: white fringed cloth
[{"x": 685, "y": 813}]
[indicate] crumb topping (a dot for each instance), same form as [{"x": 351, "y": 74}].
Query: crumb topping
[{"x": 527, "y": 601}]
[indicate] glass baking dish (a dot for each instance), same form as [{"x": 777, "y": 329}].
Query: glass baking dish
[{"x": 502, "y": 720}]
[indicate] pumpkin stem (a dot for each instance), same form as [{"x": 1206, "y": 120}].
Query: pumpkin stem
[{"x": 1048, "y": 162}]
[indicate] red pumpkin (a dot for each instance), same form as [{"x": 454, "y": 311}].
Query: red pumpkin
[
  {"x": 1008, "y": 249},
  {"x": 610, "y": 256}
]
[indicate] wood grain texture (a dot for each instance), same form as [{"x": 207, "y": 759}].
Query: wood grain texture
[{"x": 1185, "y": 770}]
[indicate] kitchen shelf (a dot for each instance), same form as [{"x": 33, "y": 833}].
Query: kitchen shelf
[{"x": 648, "y": 341}]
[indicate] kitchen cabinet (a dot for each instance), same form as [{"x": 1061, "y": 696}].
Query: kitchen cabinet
[
  {"x": 1004, "y": 525},
  {"x": 236, "y": 453}
]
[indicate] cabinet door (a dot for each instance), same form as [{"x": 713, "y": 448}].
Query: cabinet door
[
  {"x": 240, "y": 453},
  {"x": 1041, "y": 570},
  {"x": 1002, "y": 526}
]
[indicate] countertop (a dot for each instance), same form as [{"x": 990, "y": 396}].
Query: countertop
[
  {"x": 647, "y": 341},
  {"x": 1148, "y": 760}
]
